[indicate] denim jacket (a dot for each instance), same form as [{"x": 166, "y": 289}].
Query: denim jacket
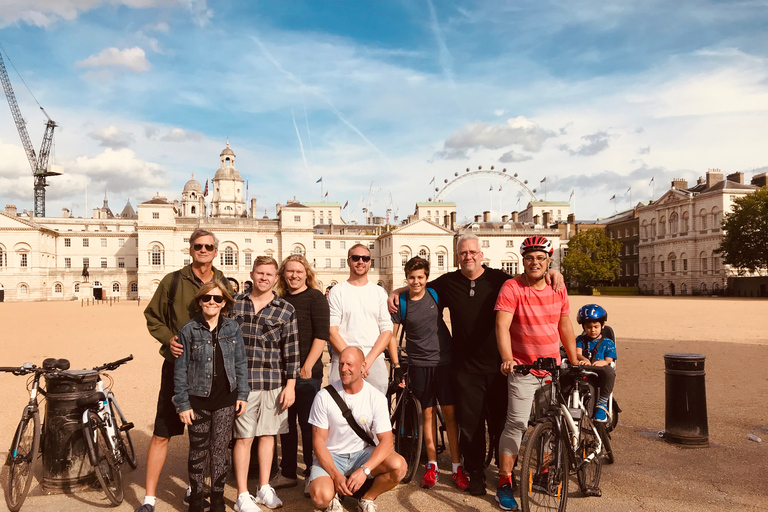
[{"x": 193, "y": 370}]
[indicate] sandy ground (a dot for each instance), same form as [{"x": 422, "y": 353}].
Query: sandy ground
[{"x": 648, "y": 475}]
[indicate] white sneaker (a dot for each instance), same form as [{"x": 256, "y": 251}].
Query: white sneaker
[
  {"x": 268, "y": 497},
  {"x": 335, "y": 505},
  {"x": 246, "y": 503},
  {"x": 307, "y": 481},
  {"x": 366, "y": 506}
]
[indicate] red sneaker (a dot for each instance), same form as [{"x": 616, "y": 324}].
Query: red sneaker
[
  {"x": 462, "y": 482},
  {"x": 430, "y": 477}
]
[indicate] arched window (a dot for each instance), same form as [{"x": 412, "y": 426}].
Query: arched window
[
  {"x": 683, "y": 289},
  {"x": 298, "y": 250},
  {"x": 2, "y": 257},
  {"x": 645, "y": 229},
  {"x": 228, "y": 258},
  {"x": 662, "y": 226},
  {"x": 423, "y": 254},
  {"x": 703, "y": 220},
  {"x": 685, "y": 223},
  {"x": 76, "y": 287},
  {"x": 23, "y": 290},
  {"x": 672, "y": 259},
  {"x": 653, "y": 265},
  {"x": 57, "y": 288},
  {"x": 703, "y": 288},
  {"x": 134, "y": 287},
  {"x": 653, "y": 228},
  {"x": 673, "y": 224},
  {"x": 116, "y": 287},
  {"x": 716, "y": 218},
  {"x": 645, "y": 266},
  {"x": 193, "y": 208},
  {"x": 703, "y": 257},
  {"x": 157, "y": 255}
]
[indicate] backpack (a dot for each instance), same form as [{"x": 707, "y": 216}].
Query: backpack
[{"x": 404, "y": 302}]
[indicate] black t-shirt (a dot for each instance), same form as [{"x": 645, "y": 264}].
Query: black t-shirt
[
  {"x": 473, "y": 319},
  {"x": 428, "y": 341},
  {"x": 221, "y": 396},
  {"x": 314, "y": 319}
]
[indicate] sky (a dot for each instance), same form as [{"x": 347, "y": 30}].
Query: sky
[{"x": 389, "y": 102}]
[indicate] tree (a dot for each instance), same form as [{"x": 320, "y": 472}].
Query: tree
[
  {"x": 592, "y": 257},
  {"x": 745, "y": 244}
]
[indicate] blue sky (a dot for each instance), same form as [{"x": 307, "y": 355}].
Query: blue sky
[{"x": 381, "y": 97}]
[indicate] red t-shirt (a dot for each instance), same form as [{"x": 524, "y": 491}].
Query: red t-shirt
[{"x": 534, "y": 328}]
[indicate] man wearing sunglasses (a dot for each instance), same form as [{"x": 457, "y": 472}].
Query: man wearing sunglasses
[
  {"x": 359, "y": 318},
  {"x": 172, "y": 306}
]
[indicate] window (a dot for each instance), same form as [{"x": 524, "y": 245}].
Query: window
[
  {"x": 67, "y": 262},
  {"x": 510, "y": 267},
  {"x": 637, "y": 266},
  {"x": 247, "y": 240},
  {"x": 440, "y": 260},
  {"x": 342, "y": 263},
  {"x": 155, "y": 215},
  {"x": 662, "y": 226},
  {"x": 510, "y": 243},
  {"x": 2, "y": 257},
  {"x": 86, "y": 263},
  {"x": 486, "y": 243},
  {"x": 85, "y": 242},
  {"x": 673, "y": 224},
  {"x": 120, "y": 262},
  {"x": 120, "y": 242},
  {"x": 186, "y": 240},
  {"x": 423, "y": 254},
  {"x": 703, "y": 262},
  {"x": 248, "y": 261},
  {"x": 134, "y": 287},
  {"x": 634, "y": 230},
  {"x": 137, "y": 262},
  {"x": 57, "y": 288},
  {"x": 626, "y": 232},
  {"x": 67, "y": 242},
  {"x": 327, "y": 262},
  {"x": 297, "y": 218},
  {"x": 298, "y": 250},
  {"x": 661, "y": 266},
  {"x": 327, "y": 244},
  {"x": 115, "y": 287},
  {"x": 228, "y": 258},
  {"x": 103, "y": 262},
  {"x": 404, "y": 258},
  {"x": 187, "y": 261},
  {"x": 703, "y": 220},
  {"x": 23, "y": 259},
  {"x": 269, "y": 240},
  {"x": 103, "y": 242},
  {"x": 77, "y": 288},
  {"x": 23, "y": 289},
  {"x": 371, "y": 246},
  {"x": 685, "y": 265},
  {"x": 672, "y": 265},
  {"x": 156, "y": 255},
  {"x": 342, "y": 244},
  {"x": 684, "y": 228}
]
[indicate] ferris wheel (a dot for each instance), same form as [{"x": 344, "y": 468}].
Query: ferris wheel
[{"x": 460, "y": 178}]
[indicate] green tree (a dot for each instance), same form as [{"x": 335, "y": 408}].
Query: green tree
[
  {"x": 745, "y": 244},
  {"x": 592, "y": 257}
]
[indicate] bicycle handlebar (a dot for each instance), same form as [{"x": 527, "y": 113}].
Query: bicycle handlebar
[
  {"x": 114, "y": 364},
  {"x": 549, "y": 364}
]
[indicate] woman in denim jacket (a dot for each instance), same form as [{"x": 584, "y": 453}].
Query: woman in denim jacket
[{"x": 211, "y": 386}]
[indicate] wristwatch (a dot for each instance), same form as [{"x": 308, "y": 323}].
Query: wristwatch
[{"x": 366, "y": 470}]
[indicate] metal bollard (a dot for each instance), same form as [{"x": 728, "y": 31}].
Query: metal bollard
[{"x": 686, "y": 400}]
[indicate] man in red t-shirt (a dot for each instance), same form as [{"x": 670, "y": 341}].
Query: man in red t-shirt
[{"x": 531, "y": 319}]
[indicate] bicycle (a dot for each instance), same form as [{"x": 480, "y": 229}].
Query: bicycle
[
  {"x": 26, "y": 440},
  {"x": 406, "y": 418},
  {"x": 109, "y": 444},
  {"x": 564, "y": 439}
]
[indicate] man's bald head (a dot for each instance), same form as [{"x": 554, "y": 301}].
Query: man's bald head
[
  {"x": 353, "y": 352},
  {"x": 351, "y": 365}
]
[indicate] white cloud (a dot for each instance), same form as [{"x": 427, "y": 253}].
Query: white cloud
[
  {"x": 179, "y": 135},
  {"x": 112, "y": 137},
  {"x": 201, "y": 14},
  {"x": 131, "y": 58},
  {"x": 594, "y": 144},
  {"x": 513, "y": 157}
]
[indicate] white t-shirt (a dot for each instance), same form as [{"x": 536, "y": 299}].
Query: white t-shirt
[
  {"x": 360, "y": 313},
  {"x": 369, "y": 409}
]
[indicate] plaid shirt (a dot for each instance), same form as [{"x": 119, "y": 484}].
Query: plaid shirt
[{"x": 271, "y": 338}]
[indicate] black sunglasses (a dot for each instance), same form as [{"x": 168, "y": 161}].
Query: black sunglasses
[
  {"x": 471, "y": 288},
  {"x": 358, "y": 257},
  {"x": 218, "y": 299},
  {"x": 208, "y": 247}
]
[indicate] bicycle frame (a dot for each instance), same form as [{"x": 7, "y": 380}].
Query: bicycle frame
[{"x": 104, "y": 411}]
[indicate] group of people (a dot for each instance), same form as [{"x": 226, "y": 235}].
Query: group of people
[{"x": 249, "y": 366}]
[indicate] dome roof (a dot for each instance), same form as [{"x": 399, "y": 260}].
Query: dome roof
[
  {"x": 193, "y": 186},
  {"x": 227, "y": 172},
  {"x": 227, "y": 151}
]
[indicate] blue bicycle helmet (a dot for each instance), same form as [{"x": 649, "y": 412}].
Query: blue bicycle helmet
[{"x": 592, "y": 313}]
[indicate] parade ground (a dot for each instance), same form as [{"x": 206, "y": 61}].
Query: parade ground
[{"x": 648, "y": 475}]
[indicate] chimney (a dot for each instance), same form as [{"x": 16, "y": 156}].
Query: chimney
[
  {"x": 446, "y": 220},
  {"x": 546, "y": 219},
  {"x": 477, "y": 218},
  {"x": 679, "y": 184},
  {"x": 758, "y": 180},
  {"x": 514, "y": 216},
  {"x": 65, "y": 213},
  {"x": 714, "y": 176},
  {"x": 736, "y": 177},
  {"x": 571, "y": 218},
  {"x": 700, "y": 181},
  {"x": 253, "y": 208},
  {"x": 10, "y": 210},
  {"x": 535, "y": 220},
  {"x": 453, "y": 220},
  {"x": 486, "y": 216},
  {"x": 504, "y": 218}
]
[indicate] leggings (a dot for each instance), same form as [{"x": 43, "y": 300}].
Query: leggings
[{"x": 210, "y": 434}]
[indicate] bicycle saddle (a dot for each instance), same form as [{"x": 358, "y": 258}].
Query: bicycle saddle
[{"x": 56, "y": 364}]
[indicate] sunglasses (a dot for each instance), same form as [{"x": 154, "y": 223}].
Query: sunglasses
[
  {"x": 218, "y": 299},
  {"x": 358, "y": 257},
  {"x": 471, "y": 288},
  {"x": 208, "y": 247}
]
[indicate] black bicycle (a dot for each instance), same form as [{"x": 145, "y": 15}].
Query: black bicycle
[
  {"x": 26, "y": 440},
  {"x": 406, "y": 418},
  {"x": 564, "y": 438}
]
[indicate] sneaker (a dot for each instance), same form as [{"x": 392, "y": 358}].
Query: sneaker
[
  {"x": 430, "y": 477},
  {"x": 366, "y": 506},
  {"x": 540, "y": 483},
  {"x": 246, "y": 503},
  {"x": 461, "y": 480},
  {"x": 146, "y": 508},
  {"x": 505, "y": 498},
  {"x": 335, "y": 505},
  {"x": 283, "y": 482},
  {"x": 268, "y": 497},
  {"x": 307, "y": 481},
  {"x": 476, "y": 484},
  {"x": 601, "y": 410},
  {"x": 188, "y": 495}
]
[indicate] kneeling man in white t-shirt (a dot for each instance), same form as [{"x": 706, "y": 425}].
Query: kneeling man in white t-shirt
[{"x": 343, "y": 461}]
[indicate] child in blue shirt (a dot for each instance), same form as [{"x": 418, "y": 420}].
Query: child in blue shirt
[{"x": 600, "y": 350}]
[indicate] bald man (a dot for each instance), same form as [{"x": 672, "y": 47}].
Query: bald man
[{"x": 343, "y": 460}]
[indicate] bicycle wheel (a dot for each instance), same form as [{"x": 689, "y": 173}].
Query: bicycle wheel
[
  {"x": 605, "y": 436},
  {"x": 544, "y": 471},
  {"x": 408, "y": 435},
  {"x": 21, "y": 459},
  {"x": 588, "y": 473},
  {"x": 103, "y": 458},
  {"x": 491, "y": 444},
  {"x": 124, "y": 435}
]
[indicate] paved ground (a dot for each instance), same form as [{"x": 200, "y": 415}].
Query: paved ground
[{"x": 648, "y": 475}]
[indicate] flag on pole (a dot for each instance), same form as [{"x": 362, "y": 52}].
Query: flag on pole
[
  {"x": 545, "y": 179},
  {"x": 246, "y": 187},
  {"x": 326, "y": 194},
  {"x": 345, "y": 205},
  {"x": 612, "y": 197},
  {"x": 499, "y": 188},
  {"x": 571, "y": 196},
  {"x": 431, "y": 182},
  {"x": 205, "y": 192},
  {"x": 320, "y": 180},
  {"x": 491, "y": 189},
  {"x": 629, "y": 189},
  {"x": 652, "y": 180}
]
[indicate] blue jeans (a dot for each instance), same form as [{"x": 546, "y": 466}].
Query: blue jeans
[
  {"x": 346, "y": 463},
  {"x": 305, "y": 390}
]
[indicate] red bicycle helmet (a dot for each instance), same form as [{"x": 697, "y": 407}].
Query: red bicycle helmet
[{"x": 536, "y": 243}]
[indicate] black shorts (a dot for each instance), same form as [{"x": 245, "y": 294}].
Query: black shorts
[
  {"x": 167, "y": 421},
  {"x": 430, "y": 383}
]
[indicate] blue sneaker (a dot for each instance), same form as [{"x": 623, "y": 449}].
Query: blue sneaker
[
  {"x": 505, "y": 497},
  {"x": 601, "y": 410}
]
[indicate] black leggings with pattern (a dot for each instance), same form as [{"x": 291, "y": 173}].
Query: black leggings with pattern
[{"x": 210, "y": 434}]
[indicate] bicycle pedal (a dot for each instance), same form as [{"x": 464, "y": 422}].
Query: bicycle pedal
[{"x": 125, "y": 427}]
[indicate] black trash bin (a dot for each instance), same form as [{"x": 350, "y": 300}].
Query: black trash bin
[
  {"x": 686, "y": 400},
  {"x": 66, "y": 466}
]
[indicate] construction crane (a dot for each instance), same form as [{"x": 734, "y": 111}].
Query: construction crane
[{"x": 39, "y": 162}]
